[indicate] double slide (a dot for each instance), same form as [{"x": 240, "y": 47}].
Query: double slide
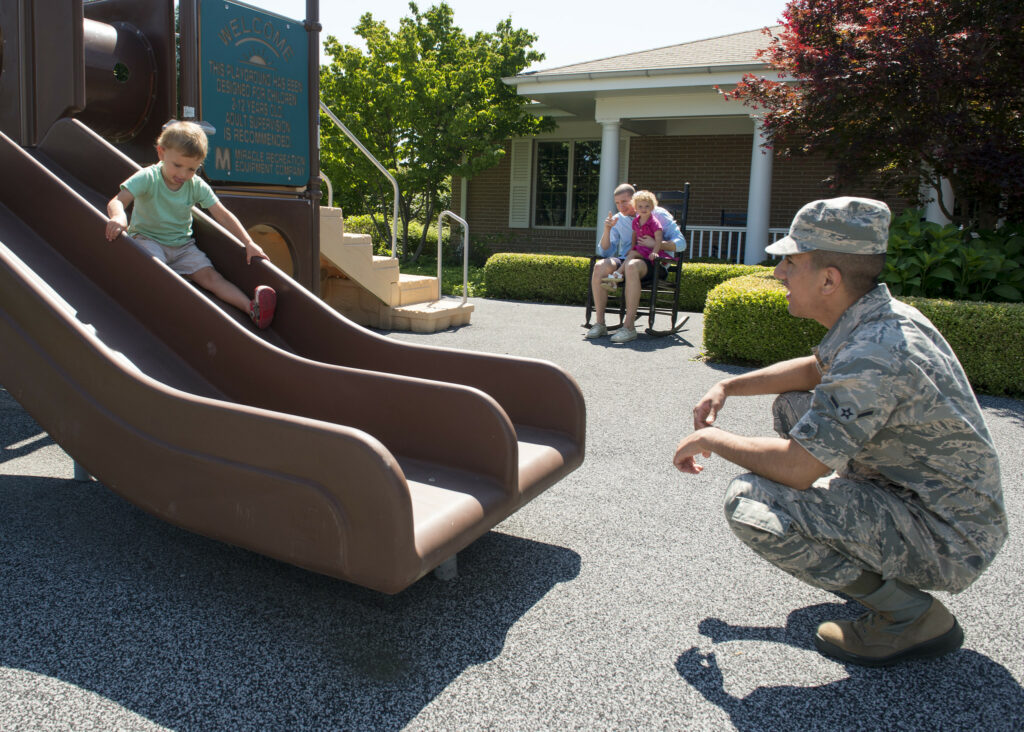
[{"x": 316, "y": 442}]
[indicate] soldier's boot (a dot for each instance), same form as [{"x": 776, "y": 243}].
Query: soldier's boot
[{"x": 902, "y": 623}]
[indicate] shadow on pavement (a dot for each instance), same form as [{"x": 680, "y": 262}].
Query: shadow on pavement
[
  {"x": 21, "y": 434},
  {"x": 194, "y": 634},
  {"x": 645, "y": 343},
  {"x": 963, "y": 691},
  {"x": 27, "y": 443},
  {"x": 1004, "y": 407}
]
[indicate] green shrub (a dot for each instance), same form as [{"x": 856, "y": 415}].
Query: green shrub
[
  {"x": 746, "y": 319},
  {"x": 987, "y": 337},
  {"x": 451, "y": 277},
  {"x": 363, "y": 224},
  {"x": 537, "y": 277},
  {"x": 451, "y": 247},
  {"x": 929, "y": 260},
  {"x": 700, "y": 278},
  {"x": 563, "y": 278}
]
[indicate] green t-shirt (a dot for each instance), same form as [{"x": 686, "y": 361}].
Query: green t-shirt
[{"x": 161, "y": 214}]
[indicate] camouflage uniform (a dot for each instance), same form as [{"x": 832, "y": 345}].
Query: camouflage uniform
[{"x": 916, "y": 495}]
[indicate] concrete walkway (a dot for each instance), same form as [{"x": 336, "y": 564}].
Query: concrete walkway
[{"x": 616, "y": 600}]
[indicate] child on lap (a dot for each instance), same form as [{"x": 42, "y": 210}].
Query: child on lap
[
  {"x": 646, "y": 224},
  {"x": 163, "y": 195}
]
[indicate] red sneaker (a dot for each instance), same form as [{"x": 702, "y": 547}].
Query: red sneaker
[{"x": 262, "y": 305}]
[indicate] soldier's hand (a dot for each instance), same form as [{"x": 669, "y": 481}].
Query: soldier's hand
[
  {"x": 686, "y": 454},
  {"x": 707, "y": 409}
]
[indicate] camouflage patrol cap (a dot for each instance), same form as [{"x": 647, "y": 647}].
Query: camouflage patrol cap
[{"x": 849, "y": 225}]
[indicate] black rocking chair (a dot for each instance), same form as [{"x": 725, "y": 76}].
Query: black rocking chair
[{"x": 659, "y": 289}]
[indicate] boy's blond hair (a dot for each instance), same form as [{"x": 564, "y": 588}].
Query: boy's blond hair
[
  {"x": 645, "y": 196},
  {"x": 186, "y": 138}
]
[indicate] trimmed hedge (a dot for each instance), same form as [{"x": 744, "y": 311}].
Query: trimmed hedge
[
  {"x": 537, "y": 277},
  {"x": 701, "y": 278},
  {"x": 746, "y": 319},
  {"x": 563, "y": 279},
  {"x": 987, "y": 337}
]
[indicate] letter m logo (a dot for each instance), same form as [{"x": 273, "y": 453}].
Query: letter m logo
[{"x": 222, "y": 158}]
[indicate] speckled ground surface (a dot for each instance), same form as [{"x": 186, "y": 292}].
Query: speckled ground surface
[{"x": 616, "y": 600}]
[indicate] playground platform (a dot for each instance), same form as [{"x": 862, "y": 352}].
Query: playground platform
[{"x": 618, "y": 599}]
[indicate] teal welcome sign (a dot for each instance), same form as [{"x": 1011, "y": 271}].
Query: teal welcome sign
[{"x": 254, "y": 91}]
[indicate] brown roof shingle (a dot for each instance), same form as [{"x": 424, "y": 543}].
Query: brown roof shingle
[{"x": 735, "y": 48}]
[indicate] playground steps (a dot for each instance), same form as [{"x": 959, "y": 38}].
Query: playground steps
[
  {"x": 370, "y": 289},
  {"x": 431, "y": 317}
]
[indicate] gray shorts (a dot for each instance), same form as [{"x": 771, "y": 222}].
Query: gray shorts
[{"x": 185, "y": 260}]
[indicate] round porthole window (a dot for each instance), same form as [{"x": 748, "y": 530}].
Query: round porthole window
[{"x": 275, "y": 246}]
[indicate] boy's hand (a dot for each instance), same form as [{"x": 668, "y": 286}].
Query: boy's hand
[
  {"x": 609, "y": 221},
  {"x": 652, "y": 256},
  {"x": 252, "y": 249},
  {"x": 114, "y": 229}
]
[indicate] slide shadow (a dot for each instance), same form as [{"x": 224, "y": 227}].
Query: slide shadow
[
  {"x": 19, "y": 433},
  {"x": 964, "y": 690},
  {"x": 194, "y": 634}
]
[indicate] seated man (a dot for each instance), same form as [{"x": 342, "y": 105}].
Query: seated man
[
  {"x": 614, "y": 246},
  {"x": 915, "y": 501}
]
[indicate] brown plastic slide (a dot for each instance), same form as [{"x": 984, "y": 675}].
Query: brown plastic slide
[{"x": 317, "y": 442}]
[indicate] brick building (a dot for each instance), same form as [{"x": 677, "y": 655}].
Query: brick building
[{"x": 655, "y": 119}]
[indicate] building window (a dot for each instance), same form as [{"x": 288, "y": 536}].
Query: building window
[{"x": 566, "y": 183}]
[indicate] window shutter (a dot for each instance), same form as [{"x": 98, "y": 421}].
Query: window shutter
[
  {"x": 519, "y": 183},
  {"x": 623, "y": 160}
]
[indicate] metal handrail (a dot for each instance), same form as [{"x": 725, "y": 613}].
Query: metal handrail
[
  {"x": 394, "y": 183},
  {"x": 330, "y": 189},
  {"x": 465, "y": 253}
]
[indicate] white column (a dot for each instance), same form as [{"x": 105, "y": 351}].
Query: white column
[
  {"x": 759, "y": 197},
  {"x": 609, "y": 171},
  {"x": 933, "y": 212}
]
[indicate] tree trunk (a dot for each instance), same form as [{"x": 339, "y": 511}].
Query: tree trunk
[{"x": 426, "y": 227}]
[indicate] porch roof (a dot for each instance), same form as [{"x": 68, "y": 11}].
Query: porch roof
[{"x": 573, "y": 90}]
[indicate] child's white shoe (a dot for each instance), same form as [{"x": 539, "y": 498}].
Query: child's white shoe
[{"x": 612, "y": 281}]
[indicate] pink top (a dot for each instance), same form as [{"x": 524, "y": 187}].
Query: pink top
[{"x": 647, "y": 229}]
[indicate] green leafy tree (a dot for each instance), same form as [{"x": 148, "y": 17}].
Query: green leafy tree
[
  {"x": 429, "y": 102},
  {"x": 913, "y": 90}
]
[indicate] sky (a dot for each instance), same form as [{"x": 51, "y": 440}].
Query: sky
[{"x": 569, "y": 31}]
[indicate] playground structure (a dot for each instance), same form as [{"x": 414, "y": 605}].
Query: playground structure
[{"x": 316, "y": 442}]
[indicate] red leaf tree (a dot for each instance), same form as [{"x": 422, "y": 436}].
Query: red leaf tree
[{"x": 911, "y": 90}]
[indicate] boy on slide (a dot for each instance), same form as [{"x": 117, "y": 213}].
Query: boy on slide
[{"x": 163, "y": 195}]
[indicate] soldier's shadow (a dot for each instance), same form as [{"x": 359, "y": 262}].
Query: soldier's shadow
[{"x": 964, "y": 690}]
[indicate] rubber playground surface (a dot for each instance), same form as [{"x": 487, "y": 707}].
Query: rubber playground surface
[{"x": 618, "y": 599}]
